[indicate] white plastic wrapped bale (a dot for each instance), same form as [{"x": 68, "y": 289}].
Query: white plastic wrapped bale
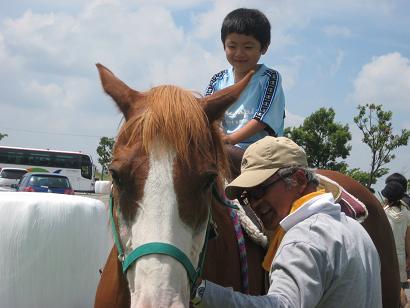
[
  {"x": 51, "y": 248},
  {"x": 102, "y": 187}
]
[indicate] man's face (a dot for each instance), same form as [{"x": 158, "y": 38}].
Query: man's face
[{"x": 272, "y": 200}]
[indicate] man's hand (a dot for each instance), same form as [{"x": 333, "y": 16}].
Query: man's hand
[{"x": 197, "y": 293}]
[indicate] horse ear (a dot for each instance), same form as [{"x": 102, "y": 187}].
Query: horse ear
[
  {"x": 123, "y": 95},
  {"x": 216, "y": 104}
]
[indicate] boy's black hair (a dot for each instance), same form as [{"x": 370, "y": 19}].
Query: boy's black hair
[{"x": 249, "y": 22}]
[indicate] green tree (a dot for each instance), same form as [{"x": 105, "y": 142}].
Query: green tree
[
  {"x": 323, "y": 140},
  {"x": 2, "y": 136},
  {"x": 361, "y": 176},
  {"x": 376, "y": 127},
  {"x": 104, "y": 151}
]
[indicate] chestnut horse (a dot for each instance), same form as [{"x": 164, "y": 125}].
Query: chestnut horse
[{"x": 167, "y": 158}]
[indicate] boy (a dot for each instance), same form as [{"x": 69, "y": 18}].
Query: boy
[{"x": 260, "y": 110}]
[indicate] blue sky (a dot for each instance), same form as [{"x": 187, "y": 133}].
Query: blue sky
[{"x": 330, "y": 53}]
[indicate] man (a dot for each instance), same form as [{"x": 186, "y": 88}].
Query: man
[{"x": 317, "y": 257}]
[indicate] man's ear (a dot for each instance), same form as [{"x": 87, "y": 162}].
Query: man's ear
[{"x": 301, "y": 179}]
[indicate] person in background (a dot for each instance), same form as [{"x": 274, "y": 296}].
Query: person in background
[
  {"x": 318, "y": 257},
  {"x": 399, "y": 218},
  {"x": 399, "y": 178},
  {"x": 260, "y": 110}
]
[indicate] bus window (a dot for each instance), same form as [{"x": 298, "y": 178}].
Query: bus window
[
  {"x": 39, "y": 159},
  {"x": 66, "y": 161},
  {"x": 86, "y": 167},
  {"x": 23, "y": 159},
  {"x": 11, "y": 156}
]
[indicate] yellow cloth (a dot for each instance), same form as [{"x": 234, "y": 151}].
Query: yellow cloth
[{"x": 279, "y": 233}]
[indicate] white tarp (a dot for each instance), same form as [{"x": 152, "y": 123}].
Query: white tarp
[
  {"x": 102, "y": 187},
  {"x": 51, "y": 248}
]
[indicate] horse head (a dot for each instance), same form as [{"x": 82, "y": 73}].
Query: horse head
[{"x": 167, "y": 155}]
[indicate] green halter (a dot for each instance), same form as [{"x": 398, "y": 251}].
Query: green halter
[{"x": 165, "y": 248}]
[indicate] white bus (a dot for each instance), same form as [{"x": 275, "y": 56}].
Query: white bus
[{"x": 77, "y": 166}]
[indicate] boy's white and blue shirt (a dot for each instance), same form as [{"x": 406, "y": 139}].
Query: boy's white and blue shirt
[{"x": 263, "y": 99}]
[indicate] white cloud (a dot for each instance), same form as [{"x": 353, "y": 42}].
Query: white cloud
[
  {"x": 385, "y": 80},
  {"x": 43, "y": 33},
  {"x": 207, "y": 24},
  {"x": 50, "y": 92},
  {"x": 52, "y": 47},
  {"x": 175, "y": 4}
]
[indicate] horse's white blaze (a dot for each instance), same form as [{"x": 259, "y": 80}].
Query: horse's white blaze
[{"x": 158, "y": 280}]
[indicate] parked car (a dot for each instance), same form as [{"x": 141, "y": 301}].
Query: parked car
[
  {"x": 45, "y": 182},
  {"x": 10, "y": 176}
]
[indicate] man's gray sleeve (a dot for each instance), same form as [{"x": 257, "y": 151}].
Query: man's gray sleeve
[
  {"x": 297, "y": 279},
  {"x": 216, "y": 296},
  {"x": 300, "y": 272}
]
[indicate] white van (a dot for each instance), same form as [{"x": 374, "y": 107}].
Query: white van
[{"x": 9, "y": 176}]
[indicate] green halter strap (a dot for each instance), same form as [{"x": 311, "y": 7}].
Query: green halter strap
[
  {"x": 159, "y": 248},
  {"x": 165, "y": 248}
]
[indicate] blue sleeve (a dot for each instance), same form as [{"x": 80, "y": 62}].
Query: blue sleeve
[
  {"x": 214, "y": 84},
  {"x": 271, "y": 106}
]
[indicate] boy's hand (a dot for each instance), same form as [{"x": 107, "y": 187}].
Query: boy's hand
[
  {"x": 227, "y": 139},
  {"x": 250, "y": 129}
]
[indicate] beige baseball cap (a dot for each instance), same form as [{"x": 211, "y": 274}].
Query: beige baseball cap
[{"x": 263, "y": 159}]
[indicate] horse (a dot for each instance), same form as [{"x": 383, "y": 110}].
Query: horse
[{"x": 167, "y": 159}]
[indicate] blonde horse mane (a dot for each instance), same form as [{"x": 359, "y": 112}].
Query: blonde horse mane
[{"x": 174, "y": 117}]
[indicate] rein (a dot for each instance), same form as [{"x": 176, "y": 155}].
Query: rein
[
  {"x": 165, "y": 248},
  {"x": 221, "y": 200}
]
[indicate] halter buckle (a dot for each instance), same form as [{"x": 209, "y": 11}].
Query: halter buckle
[{"x": 121, "y": 257}]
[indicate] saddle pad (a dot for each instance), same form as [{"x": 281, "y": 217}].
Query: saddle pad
[
  {"x": 352, "y": 207},
  {"x": 349, "y": 204}
]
